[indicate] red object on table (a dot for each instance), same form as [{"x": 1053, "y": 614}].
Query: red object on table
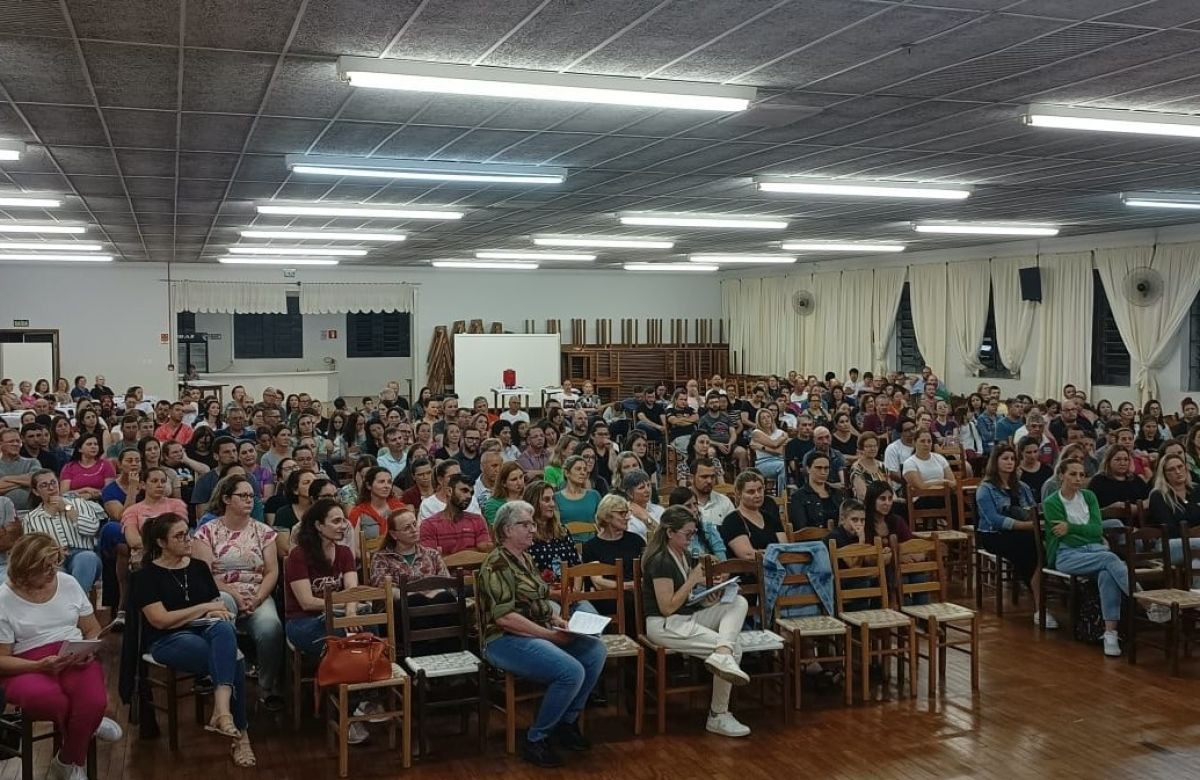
[{"x": 510, "y": 378}]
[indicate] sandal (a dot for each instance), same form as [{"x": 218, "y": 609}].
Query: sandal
[
  {"x": 243, "y": 754},
  {"x": 223, "y": 725}
]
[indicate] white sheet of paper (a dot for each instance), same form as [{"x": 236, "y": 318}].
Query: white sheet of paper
[
  {"x": 80, "y": 647},
  {"x": 587, "y": 623}
]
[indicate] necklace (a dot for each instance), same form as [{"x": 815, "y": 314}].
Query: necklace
[{"x": 183, "y": 584}]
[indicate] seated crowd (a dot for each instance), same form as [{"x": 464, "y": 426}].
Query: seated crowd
[{"x": 203, "y": 521}]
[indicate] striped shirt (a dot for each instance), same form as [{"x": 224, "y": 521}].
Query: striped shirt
[{"x": 77, "y": 535}]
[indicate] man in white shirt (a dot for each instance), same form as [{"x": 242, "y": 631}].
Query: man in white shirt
[
  {"x": 514, "y": 413},
  {"x": 713, "y": 506},
  {"x": 567, "y": 395},
  {"x": 490, "y": 462},
  {"x": 394, "y": 457},
  {"x": 436, "y": 501},
  {"x": 899, "y": 451}
]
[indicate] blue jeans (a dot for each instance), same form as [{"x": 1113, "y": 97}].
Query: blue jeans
[
  {"x": 264, "y": 627},
  {"x": 1096, "y": 560},
  {"x": 211, "y": 652},
  {"x": 771, "y": 467},
  {"x": 307, "y": 634},
  {"x": 85, "y": 566},
  {"x": 569, "y": 673}
]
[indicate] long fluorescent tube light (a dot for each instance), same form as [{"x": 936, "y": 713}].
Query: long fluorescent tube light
[
  {"x": 1159, "y": 200},
  {"x": 289, "y": 261},
  {"x": 860, "y": 189},
  {"x": 838, "y": 246},
  {"x": 422, "y": 170},
  {"x": 86, "y": 257},
  {"x": 57, "y": 246},
  {"x": 11, "y": 150},
  {"x": 318, "y": 235},
  {"x": 541, "y": 85},
  {"x": 19, "y": 201},
  {"x": 296, "y": 251},
  {"x": 689, "y": 267},
  {"x": 1106, "y": 120},
  {"x": 363, "y": 212},
  {"x": 984, "y": 229},
  {"x": 505, "y": 255},
  {"x": 484, "y": 264},
  {"x": 13, "y": 227},
  {"x": 700, "y": 220},
  {"x": 710, "y": 259},
  {"x": 603, "y": 243}
]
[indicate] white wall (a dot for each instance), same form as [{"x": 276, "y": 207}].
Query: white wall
[{"x": 110, "y": 317}]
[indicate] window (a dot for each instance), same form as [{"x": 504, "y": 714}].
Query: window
[
  {"x": 258, "y": 336},
  {"x": 1194, "y": 341},
  {"x": 908, "y": 355},
  {"x": 989, "y": 350},
  {"x": 378, "y": 334},
  {"x": 1110, "y": 359}
]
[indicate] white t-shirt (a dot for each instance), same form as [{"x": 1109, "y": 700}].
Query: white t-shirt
[
  {"x": 513, "y": 419},
  {"x": 1077, "y": 509},
  {"x": 716, "y": 508},
  {"x": 26, "y": 625},
  {"x": 431, "y": 505},
  {"x": 931, "y": 469},
  {"x": 638, "y": 527},
  {"x": 894, "y": 456}
]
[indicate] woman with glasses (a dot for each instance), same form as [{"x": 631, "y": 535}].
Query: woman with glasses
[
  {"x": 72, "y": 522},
  {"x": 245, "y": 566},
  {"x": 401, "y": 557}
]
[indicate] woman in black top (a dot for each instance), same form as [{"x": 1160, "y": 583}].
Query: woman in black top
[
  {"x": 815, "y": 504},
  {"x": 1174, "y": 501},
  {"x": 1115, "y": 484},
  {"x": 845, "y": 438},
  {"x": 186, "y": 626},
  {"x": 754, "y": 523},
  {"x": 1030, "y": 469},
  {"x": 614, "y": 541}
]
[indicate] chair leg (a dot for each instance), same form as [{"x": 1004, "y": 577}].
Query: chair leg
[
  {"x": 639, "y": 705},
  {"x": 92, "y": 773},
  {"x": 26, "y": 747},
  {"x": 847, "y": 668},
  {"x": 343, "y": 731},
  {"x": 297, "y": 688},
  {"x": 660, "y": 682},
  {"x": 979, "y": 585},
  {"x": 912, "y": 660},
  {"x": 932, "y": 629},
  {"x": 485, "y": 708},
  {"x": 172, "y": 711},
  {"x": 975, "y": 653},
  {"x": 510, "y": 714},
  {"x": 864, "y": 639},
  {"x": 797, "y": 666},
  {"x": 406, "y": 726}
]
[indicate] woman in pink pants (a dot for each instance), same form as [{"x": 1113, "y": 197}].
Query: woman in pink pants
[{"x": 41, "y": 610}]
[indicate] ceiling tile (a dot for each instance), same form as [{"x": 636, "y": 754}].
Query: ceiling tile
[{"x": 133, "y": 76}]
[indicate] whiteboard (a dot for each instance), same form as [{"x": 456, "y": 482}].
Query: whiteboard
[
  {"x": 27, "y": 361},
  {"x": 481, "y": 358}
]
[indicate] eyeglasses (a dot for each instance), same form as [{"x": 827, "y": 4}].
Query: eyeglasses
[
  {"x": 527, "y": 524},
  {"x": 242, "y": 495},
  {"x": 687, "y": 534}
]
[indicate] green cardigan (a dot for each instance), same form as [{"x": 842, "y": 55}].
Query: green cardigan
[{"x": 1077, "y": 535}]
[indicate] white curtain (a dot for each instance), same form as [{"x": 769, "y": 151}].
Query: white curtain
[
  {"x": 730, "y": 290},
  {"x": 967, "y": 295},
  {"x": 888, "y": 286},
  {"x": 1064, "y": 355},
  {"x": 230, "y": 297},
  {"x": 818, "y": 350},
  {"x": 341, "y": 297},
  {"x": 853, "y": 342},
  {"x": 1014, "y": 317},
  {"x": 927, "y": 293},
  {"x": 1148, "y": 331}
]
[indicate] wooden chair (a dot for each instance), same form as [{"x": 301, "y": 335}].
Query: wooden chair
[
  {"x": 726, "y": 490},
  {"x": 162, "y": 677},
  {"x": 367, "y": 549},
  {"x": 798, "y": 632},
  {"x": 656, "y": 659},
  {"x": 397, "y": 689},
  {"x": 1054, "y": 581},
  {"x": 807, "y": 535},
  {"x": 581, "y": 530},
  {"x": 759, "y": 642},
  {"x": 467, "y": 560},
  {"x": 424, "y": 669},
  {"x": 781, "y": 502},
  {"x": 940, "y": 622},
  {"x": 1147, "y": 559},
  {"x": 935, "y": 518},
  {"x": 618, "y": 643},
  {"x": 22, "y": 729},
  {"x": 1127, "y": 512},
  {"x": 515, "y": 692},
  {"x": 894, "y": 631}
]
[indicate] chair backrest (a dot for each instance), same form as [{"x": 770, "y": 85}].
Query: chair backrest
[
  {"x": 467, "y": 560},
  {"x": 954, "y": 456},
  {"x": 455, "y": 607},
  {"x": 381, "y": 616},
  {"x": 808, "y": 534},
  {"x": 922, "y": 572},
  {"x": 572, "y": 584},
  {"x": 368, "y": 548},
  {"x": 968, "y": 487},
  {"x": 919, "y": 518},
  {"x": 725, "y": 489},
  {"x": 864, "y": 566},
  {"x": 750, "y": 584},
  {"x": 782, "y": 503},
  {"x": 804, "y": 597},
  {"x": 639, "y": 607},
  {"x": 1145, "y": 550},
  {"x": 581, "y": 530},
  {"x": 1124, "y": 511},
  {"x": 1039, "y": 540},
  {"x": 1185, "y": 572}
]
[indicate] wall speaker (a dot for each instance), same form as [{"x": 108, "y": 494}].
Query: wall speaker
[{"x": 1031, "y": 284}]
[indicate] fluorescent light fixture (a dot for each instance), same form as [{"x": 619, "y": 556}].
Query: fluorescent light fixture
[
  {"x": 700, "y": 220},
  {"x": 360, "y": 211},
  {"x": 27, "y": 202},
  {"x": 710, "y": 259},
  {"x": 296, "y": 251},
  {"x": 56, "y": 246},
  {"x": 541, "y": 85},
  {"x": 669, "y": 267},
  {"x": 1108, "y": 120},
  {"x": 11, "y": 150},
  {"x": 57, "y": 229},
  {"x": 289, "y": 261},
  {"x": 422, "y": 170},
  {"x": 838, "y": 246},
  {"x": 1161, "y": 200},
  {"x": 86, "y": 257},
  {"x": 986, "y": 229},
  {"x": 798, "y": 185},
  {"x": 505, "y": 255},
  {"x": 485, "y": 264},
  {"x": 601, "y": 242},
  {"x": 318, "y": 235}
]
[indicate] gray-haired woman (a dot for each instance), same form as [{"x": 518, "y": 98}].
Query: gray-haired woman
[
  {"x": 643, "y": 513},
  {"x": 522, "y": 634}
]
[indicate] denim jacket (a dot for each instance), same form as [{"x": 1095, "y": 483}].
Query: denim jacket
[
  {"x": 711, "y": 544},
  {"x": 820, "y": 577},
  {"x": 990, "y": 503},
  {"x": 986, "y": 425}
]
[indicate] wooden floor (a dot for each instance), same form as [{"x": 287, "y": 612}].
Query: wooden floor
[{"x": 1048, "y": 708}]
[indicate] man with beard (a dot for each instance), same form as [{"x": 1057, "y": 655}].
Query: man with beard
[{"x": 456, "y": 528}]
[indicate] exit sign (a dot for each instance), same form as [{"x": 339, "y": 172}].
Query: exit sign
[{"x": 20, "y": 323}]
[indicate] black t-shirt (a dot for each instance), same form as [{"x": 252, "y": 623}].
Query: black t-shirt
[
  {"x": 1118, "y": 491},
  {"x": 275, "y": 503},
  {"x": 1163, "y": 514},
  {"x": 735, "y": 525},
  {"x": 794, "y": 452},
  {"x": 652, "y": 412},
  {"x": 659, "y": 567},
  {"x": 175, "y": 588},
  {"x": 1035, "y": 479},
  {"x": 627, "y": 548},
  {"x": 849, "y": 448},
  {"x": 680, "y": 429}
]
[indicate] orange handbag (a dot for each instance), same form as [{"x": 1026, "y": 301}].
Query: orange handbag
[{"x": 355, "y": 658}]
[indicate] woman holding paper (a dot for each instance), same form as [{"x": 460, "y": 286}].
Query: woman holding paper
[
  {"x": 43, "y": 612},
  {"x": 707, "y": 628},
  {"x": 522, "y": 634}
]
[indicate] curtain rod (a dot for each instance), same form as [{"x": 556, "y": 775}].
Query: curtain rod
[{"x": 289, "y": 284}]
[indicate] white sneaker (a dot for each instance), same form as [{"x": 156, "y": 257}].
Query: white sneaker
[
  {"x": 60, "y": 771},
  {"x": 109, "y": 731},
  {"x": 1051, "y": 623},
  {"x": 726, "y": 725},
  {"x": 357, "y": 733},
  {"x": 370, "y": 708},
  {"x": 724, "y": 665},
  {"x": 1112, "y": 647},
  {"x": 1158, "y": 613}
]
